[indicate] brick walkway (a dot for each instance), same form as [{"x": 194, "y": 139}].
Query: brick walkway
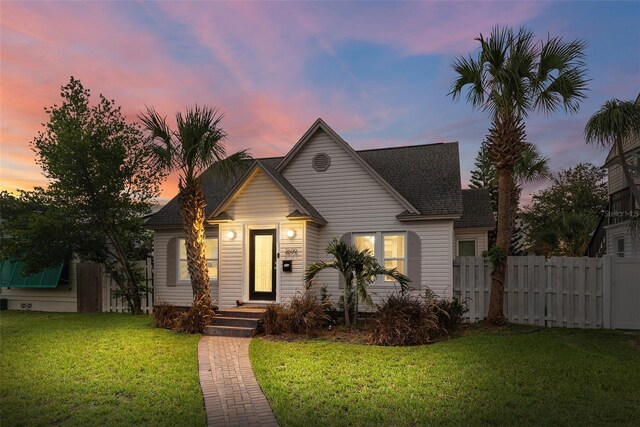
[{"x": 232, "y": 396}]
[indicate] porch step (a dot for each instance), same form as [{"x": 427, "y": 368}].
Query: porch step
[
  {"x": 235, "y": 322},
  {"x": 243, "y": 322},
  {"x": 229, "y": 331},
  {"x": 247, "y": 313}
]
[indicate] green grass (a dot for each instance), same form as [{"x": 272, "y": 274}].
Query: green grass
[
  {"x": 517, "y": 376},
  {"x": 104, "y": 369}
]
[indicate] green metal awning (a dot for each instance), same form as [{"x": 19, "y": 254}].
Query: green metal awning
[{"x": 11, "y": 276}]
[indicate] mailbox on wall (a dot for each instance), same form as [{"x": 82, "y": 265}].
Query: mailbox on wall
[{"x": 287, "y": 265}]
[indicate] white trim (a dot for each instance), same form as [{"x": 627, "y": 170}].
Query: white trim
[
  {"x": 247, "y": 259},
  {"x": 379, "y": 250}
]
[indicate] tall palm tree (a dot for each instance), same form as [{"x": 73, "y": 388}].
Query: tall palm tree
[
  {"x": 196, "y": 143},
  {"x": 353, "y": 265},
  {"x": 512, "y": 76},
  {"x": 616, "y": 122}
]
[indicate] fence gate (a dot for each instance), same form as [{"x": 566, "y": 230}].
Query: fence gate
[
  {"x": 625, "y": 293},
  {"x": 89, "y": 279}
]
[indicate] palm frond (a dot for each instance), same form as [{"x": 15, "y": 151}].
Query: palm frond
[
  {"x": 615, "y": 119},
  {"x": 314, "y": 269},
  {"x": 160, "y": 138}
]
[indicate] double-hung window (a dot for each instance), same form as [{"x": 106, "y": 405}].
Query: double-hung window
[
  {"x": 211, "y": 251},
  {"x": 389, "y": 249},
  {"x": 394, "y": 253}
]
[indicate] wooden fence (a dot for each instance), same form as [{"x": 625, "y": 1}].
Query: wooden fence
[
  {"x": 559, "y": 291},
  {"x": 116, "y": 305}
]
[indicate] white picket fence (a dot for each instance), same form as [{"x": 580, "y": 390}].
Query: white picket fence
[
  {"x": 116, "y": 305},
  {"x": 559, "y": 291}
]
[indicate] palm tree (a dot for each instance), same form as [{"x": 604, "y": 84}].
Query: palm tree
[
  {"x": 366, "y": 270},
  {"x": 512, "y": 76},
  {"x": 196, "y": 144},
  {"x": 616, "y": 122},
  {"x": 353, "y": 264}
]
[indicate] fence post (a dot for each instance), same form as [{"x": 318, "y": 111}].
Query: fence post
[{"x": 606, "y": 291}]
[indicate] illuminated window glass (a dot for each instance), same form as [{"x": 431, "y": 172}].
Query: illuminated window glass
[
  {"x": 394, "y": 253},
  {"x": 211, "y": 251}
]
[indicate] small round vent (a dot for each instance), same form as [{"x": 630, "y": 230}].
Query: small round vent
[{"x": 321, "y": 162}]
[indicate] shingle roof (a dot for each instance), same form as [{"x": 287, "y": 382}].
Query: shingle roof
[
  {"x": 477, "y": 209},
  {"x": 427, "y": 176}
]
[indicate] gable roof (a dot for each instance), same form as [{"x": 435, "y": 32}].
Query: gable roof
[
  {"x": 304, "y": 208},
  {"x": 426, "y": 177},
  {"x": 319, "y": 124},
  {"x": 477, "y": 211}
]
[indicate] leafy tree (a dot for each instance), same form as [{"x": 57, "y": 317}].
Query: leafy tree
[
  {"x": 356, "y": 266},
  {"x": 512, "y": 76},
  {"x": 196, "y": 144},
  {"x": 532, "y": 166},
  {"x": 101, "y": 185},
  {"x": 561, "y": 218}
]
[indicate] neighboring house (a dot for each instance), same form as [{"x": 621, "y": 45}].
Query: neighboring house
[
  {"x": 613, "y": 235},
  {"x": 264, "y": 227},
  {"x": 53, "y": 289}
]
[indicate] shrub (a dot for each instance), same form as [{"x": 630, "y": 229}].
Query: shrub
[
  {"x": 195, "y": 319},
  {"x": 302, "y": 315},
  {"x": 450, "y": 313},
  {"x": 165, "y": 315},
  {"x": 404, "y": 320},
  {"x": 272, "y": 321}
]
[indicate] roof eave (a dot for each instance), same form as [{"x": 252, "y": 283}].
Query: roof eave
[{"x": 401, "y": 217}]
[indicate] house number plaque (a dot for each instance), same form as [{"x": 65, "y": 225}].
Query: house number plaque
[{"x": 291, "y": 251}]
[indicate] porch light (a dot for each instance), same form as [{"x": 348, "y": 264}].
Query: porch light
[
  {"x": 291, "y": 234},
  {"x": 231, "y": 234}
]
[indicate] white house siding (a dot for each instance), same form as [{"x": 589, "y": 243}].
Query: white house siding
[
  {"x": 616, "y": 177},
  {"x": 351, "y": 200},
  {"x": 631, "y": 243},
  {"x": 60, "y": 299},
  {"x": 259, "y": 204},
  {"x": 480, "y": 236},
  {"x": 176, "y": 293}
]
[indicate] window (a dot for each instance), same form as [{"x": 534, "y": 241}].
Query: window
[
  {"x": 620, "y": 248},
  {"x": 365, "y": 241},
  {"x": 394, "y": 253},
  {"x": 211, "y": 250},
  {"x": 466, "y": 248}
]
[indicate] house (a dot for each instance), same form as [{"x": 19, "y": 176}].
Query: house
[
  {"x": 613, "y": 235},
  {"x": 266, "y": 225}
]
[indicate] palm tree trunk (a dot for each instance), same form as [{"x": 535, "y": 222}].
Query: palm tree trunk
[
  {"x": 347, "y": 290},
  {"x": 496, "y": 301},
  {"x": 627, "y": 173},
  {"x": 192, "y": 203}
]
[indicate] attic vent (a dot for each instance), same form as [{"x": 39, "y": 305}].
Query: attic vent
[{"x": 321, "y": 162}]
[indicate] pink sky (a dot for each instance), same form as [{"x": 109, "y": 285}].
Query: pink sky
[{"x": 378, "y": 73}]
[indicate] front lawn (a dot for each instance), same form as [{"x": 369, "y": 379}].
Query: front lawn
[
  {"x": 100, "y": 369},
  {"x": 516, "y": 376}
]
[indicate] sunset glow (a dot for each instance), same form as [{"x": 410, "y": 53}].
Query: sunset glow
[{"x": 378, "y": 73}]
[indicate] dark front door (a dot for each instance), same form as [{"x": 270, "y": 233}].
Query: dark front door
[{"x": 262, "y": 265}]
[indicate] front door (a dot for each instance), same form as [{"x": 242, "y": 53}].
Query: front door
[{"x": 262, "y": 265}]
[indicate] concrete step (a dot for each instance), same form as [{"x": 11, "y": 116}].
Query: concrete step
[
  {"x": 246, "y": 313},
  {"x": 243, "y": 322},
  {"x": 229, "y": 331}
]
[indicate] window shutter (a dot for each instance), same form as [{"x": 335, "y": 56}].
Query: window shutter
[
  {"x": 346, "y": 237},
  {"x": 172, "y": 260},
  {"x": 414, "y": 261}
]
